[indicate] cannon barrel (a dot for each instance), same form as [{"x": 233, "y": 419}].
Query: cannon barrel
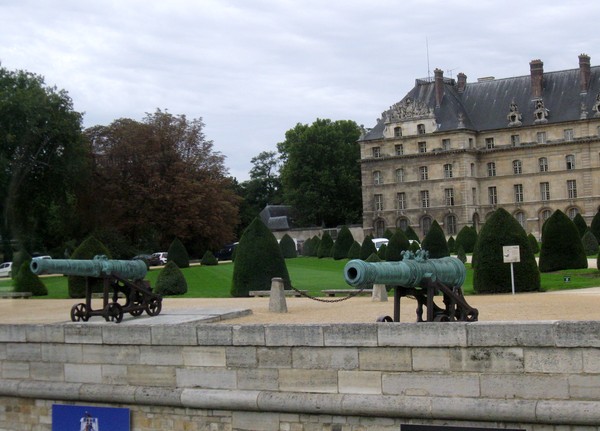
[
  {"x": 407, "y": 273},
  {"x": 98, "y": 267}
]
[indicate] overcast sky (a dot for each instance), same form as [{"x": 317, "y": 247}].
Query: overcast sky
[{"x": 253, "y": 69}]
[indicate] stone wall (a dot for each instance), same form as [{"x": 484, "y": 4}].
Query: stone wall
[{"x": 346, "y": 377}]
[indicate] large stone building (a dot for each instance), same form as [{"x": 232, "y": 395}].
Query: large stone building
[{"x": 454, "y": 151}]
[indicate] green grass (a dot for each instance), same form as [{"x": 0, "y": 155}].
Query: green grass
[{"x": 307, "y": 273}]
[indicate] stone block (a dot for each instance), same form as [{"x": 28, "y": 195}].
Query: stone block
[
  {"x": 485, "y": 409},
  {"x": 294, "y": 335},
  {"x": 151, "y": 375},
  {"x": 584, "y": 387},
  {"x": 423, "y": 334},
  {"x": 262, "y": 379},
  {"x": 174, "y": 335},
  {"x": 158, "y": 396},
  {"x": 49, "y": 390},
  {"x": 214, "y": 335},
  {"x": 78, "y": 333},
  {"x": 241, "y": 356},
  {"x": 110, "y": 354},
  {"x": 162, "y": 355},
  {"x": 431, "y": 384},
  {"x": 204, "y": 356},
  {"x": 351, "y": 334},
  {"x": 385, "y": 358},
  {"x": 508, "y": 334},
  {"x": 336, "y": 358},
  {"x": 13, "y": 333},
  {"x": 540, "y": 360},
  {"x": 487, "y": 359},
  {"x": 578, "y": 412},
  {"x": 62, "y": 353},
  {"x": 83, "y": 373},
  {"x": 24, "y": 351},
  {"x": 277, "y": 302},
  {"x": 522, "y": 386},
  {"x": 118, "y": 334},
  {"x": 313, "y": 407},
  {"x": 591, "y": 360},
  {"x": 114, "y": 374},
  {"x": 15, "y": 370},
  {"x": 274, "y": 357},
  {"x": 108, "y": 393},
  {"x": 430, "y": 359},
  {"x": 47, "y": 371},
  {"x": 301, "y": 380},
  {"x": 206, "y": 377},
  {"x": 254, "y": 421},
  {"x": 386, "y": 406},
  {"x": 225, "y": 400},
  {"x": 45, "y": 333},
  {"x": 248, "y": 335},
  {"x": 578, "y": 334},
  {"x": 359, "y": 382}
]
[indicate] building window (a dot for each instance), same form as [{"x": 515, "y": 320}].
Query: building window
[
  {"x": 397, "y": 132},
  {"x": 422, "y": 147},
  {"x": 515, "y": 140},
  {"x": 378, "y": 203},
  {"x": 569, "y": 134},
  {"x": 445, "y": 144},
  {"x": 570, "y": 159},
  {"x": 517, "y": 167},
  {"x": 520, "y": 216},
  {"x": 492, "y": 196},
  {"x": 491, "y": 169},
  {"x": 400, "y": 175},
  {"x": 545, "y": 215},
  {"x": 518, "y": 193},
  {"x": 420, "y": 129},
  {"x": 424, "y": 198},
  {"x": 401, "y": 200},
  {"x": 572, "y": 212},
  {"x": 598, "y": 131},
  {"x": 571, "y": 189},
  {"x": 451, "y": 224},
  {"x": 376, "y": 152},
  {"x": 545, "y": 191},
  {"x": 399, "y": 149},
  {"x": 474, "y": 195},
  {"x": 423, "y": 173},
  {"x": 543, "y": 162},
  {"x": 448, "y": 170},
  {"x": 377, "y": 179},
  {"x": 449, "y": 197},
  {"x": 379, "y": 228},
  {"x": 426, "y": 224},
  {"x": 489, "y": 143},
  {"x": 541, "y": 137},
  {"x": 472, "y": 169}
]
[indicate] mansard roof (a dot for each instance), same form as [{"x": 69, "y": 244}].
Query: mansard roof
[{"x": 485, "y": 105}]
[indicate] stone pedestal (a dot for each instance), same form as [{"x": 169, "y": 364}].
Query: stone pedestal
[
  {"x": 379, "y": 293},
  {"x": 277, "y": 302}
]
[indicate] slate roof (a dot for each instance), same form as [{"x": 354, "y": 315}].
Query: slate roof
[
  {"x": 486, "y": 104},
  {"x": 276, "y": 217}
]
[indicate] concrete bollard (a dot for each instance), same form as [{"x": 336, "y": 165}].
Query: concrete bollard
[
  {"x": 379, "y": 293},
  {"x": 277, "y": 302}
]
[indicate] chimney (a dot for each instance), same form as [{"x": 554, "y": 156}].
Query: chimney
[
  {"x": 537, "y": 76},
  {"x": 584, "y": 72},
  {"x": 439, "y": 86},
  {"x": 462, "y": 82}
]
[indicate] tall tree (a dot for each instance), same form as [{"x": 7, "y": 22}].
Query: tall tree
[
  {"x": 321, "y": 174},
  {"x": 159, "y": 179},
  {"x": 42, "y": 162}
]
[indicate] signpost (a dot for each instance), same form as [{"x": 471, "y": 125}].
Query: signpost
[{"x": 511, "y": 255}]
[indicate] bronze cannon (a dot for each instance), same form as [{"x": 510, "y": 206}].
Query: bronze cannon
[
  {"x": 124, "y": 277},
  {"x": 422, "y": 278}
]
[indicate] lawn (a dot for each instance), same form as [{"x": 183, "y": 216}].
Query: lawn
[{"x": 311, "y": 274}]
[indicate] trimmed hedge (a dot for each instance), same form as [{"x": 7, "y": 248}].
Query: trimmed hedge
[
  {"x": 178, "y": 254},
  {"x": 89, "y": 248},
  {"x": 561, "y": 245},
  {"x": 581, "y": 225},
  {"x": 533, "y": 243},
  {"x": 170, "y": 280},
  {"x": 398, "y": 243},
  {"x": 354, "y": 252},
  {"x": 411, "y": 234},
  {"x": 435, "y": 242},
  {"x": 590, "y": 243},
  {"x": 325, "y": 246},
  {"x": 367, "y": 248},
  {"x": 27, "y": 281},
  {"x": 288, "y": 247},
  {"x": 209, "y": 259},
  {"x": 451, "y": 245},
  {"x": 595, "y": 226},
  {"x": 342, "y": 244},
  {"x": 467, "y": 237}
]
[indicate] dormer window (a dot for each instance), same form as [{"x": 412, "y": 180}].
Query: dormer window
[
  {"x": 376, "y": 152},
  {"x": 422, "y": 147},
  {"x": 445, "y": 144},
  {"x": 399, "y": 149},
  {"x": 420, "y": 129},
  {"x": 489, "y": 143},
  {"x": 397, "y": 132}
]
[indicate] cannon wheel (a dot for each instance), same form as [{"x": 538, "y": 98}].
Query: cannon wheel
[
  {"x": 114, "y": 312},
  {"x": 138, "y": 304},
  {"x": 79, "y": 312},
  {"x": 153, "y": 307},
  {"x": 384, "y": 319}
]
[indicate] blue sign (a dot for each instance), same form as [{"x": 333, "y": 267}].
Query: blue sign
[{"x": 88, "y": 418}]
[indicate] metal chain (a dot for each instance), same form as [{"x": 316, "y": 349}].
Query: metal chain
[{"x": 314, "y": 298}]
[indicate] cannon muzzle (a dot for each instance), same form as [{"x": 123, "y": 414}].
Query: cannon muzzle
[
  {"x": 406, "y": 273},
  {"x": 98, "y": 267}
]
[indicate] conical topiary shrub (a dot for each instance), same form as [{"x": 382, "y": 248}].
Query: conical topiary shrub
[
  {"x": 595, "y": 226},
  {"x": 382, "y": 251},
  {"x": 342, "y": 244},
  {"x": 460, "y": 254},
  {"x": 561, "y": 245},
  {"x": 170, "y": 281},
  {"x": 590, "y": 243},
  {"x": 388, "y": 234},
  {"x": 18, "y": 259},
  {"x": 398, "y": 243},
  {"x": 451, "y": 244},
  {"x": 288, "y": 247},
  {"x": 325, "y": 246},
  {"x": 367, "y": 248},
  {"x": 354, "y": 252},
  {"x": 492, "y": 275},
  {"x": 581, "y": 225},
  {"x": 467, "y": 237},
  {"x": 209, "y": 259},
  {"x": 258, "y": 260},
  {"x": 411, "y": 234},
  {"x": 88, "y": 249},
  {"x": 316, "y": 243},
  {"x": 178, "y": 254},
  {"x": 27, "y": 281},
  {"x": 435, "y": 242},
  {"x": 535, "y": 247}
]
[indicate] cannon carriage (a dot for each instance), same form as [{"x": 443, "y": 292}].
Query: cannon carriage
[
  {"x": 123, "y": 280},
  {"x": 419, "y": 277}
]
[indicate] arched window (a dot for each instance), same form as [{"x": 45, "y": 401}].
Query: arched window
[
  {"x": 402, "y": 223},
  {"x": 379, "y": 228},
  {"x": 425, "y": 225},
  {"x": 520, "y": 216},
  {"x": 397, "y": 131},
  {"x": 451, "y": 224},
  {"x": 572, "y": 212}
]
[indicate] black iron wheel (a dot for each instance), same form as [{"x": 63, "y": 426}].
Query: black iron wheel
[
  {"x": 114, "y": 312},
  {"x": 153, "y": 307},
  {"x": 79, "y": 312}
]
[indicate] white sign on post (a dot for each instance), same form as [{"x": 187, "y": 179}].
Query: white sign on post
[{"x": 511, "y": 255}]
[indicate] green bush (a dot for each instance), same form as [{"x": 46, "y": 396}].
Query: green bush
[
  {"x": 492, "y": 275},
  {"x": 18, "y": 259},
  {"x": 307, "y": 247},
  {"x": 325, "y": 246},
  {"x": 414, "y": 247},
  {"x": 170, "y": 280},
  {"x": 288, "y": 247},
  {"x": 581, "y": 225},
  {"x": 595, "y": 226},
  {"x": 316, "y": 243},
  {"x": 178, "y": 254},
  {"x": 533, "y": 243},
  {"x": 88, "y": 249},
  {"x": 451, "y": 244},
  {"x": 411, "y": 234},
  {"x": 373, "y": 257},
  {"x": 209, "y": 259},
  {"x": 388, "y": 233},
  {"x": 435, "y": 242},
  {"x": 27, "y": 281},
  {"x": 398, "y": 243},
  {"x": 258, "y": 260},
  {"x": 367, "y": 248},
  {"x": 342, "y": 244},
  {"x": 354, "y": 252},
  {"x": 467, "y": 237},
  {"x": 461, "y": 255},
  {"x": 590, "y": 243},
  {"x": 561, "y": 245},
  {"x": 382, "y": 251}
]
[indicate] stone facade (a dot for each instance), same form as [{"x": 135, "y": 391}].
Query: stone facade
[
  {"x": 454, "y": 152},
  {"x": 347, "y": 377}
]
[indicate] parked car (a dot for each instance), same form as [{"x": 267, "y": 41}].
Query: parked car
[
  {"x": 379, "y": 242},
  {"x": 150, "y": 259},
  {"x": 226, "y": 253},
  {"x": 6, "y": 269},
  {"x": 162, "y": 256}
]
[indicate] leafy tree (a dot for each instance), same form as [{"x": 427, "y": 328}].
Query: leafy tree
[
  {"x": 435, "y": 242},
  {"x": 27, "y": 281},
  {"x": 398, "y": 243},
  {"x": 288, "y": 247},
  {"x": 325, "y": 246},
  {"x": 178, "y": 254},
  {"x": 88, "y": 249},
  {"x": 491, "y": 274},
  {"x": 367, "y": 248},
  {"x": 342, "y": 244},
  {"x": 581, "y": 225},
  {"x": 320, "y": 173},
  {"x": 161, "y": 179},
  {"x": 561, "y": 245},
  {"x": 354, "y": 251},
  {"x": 451, "y": 244},
  {"x": 533, "y": 243},
  {"x": 43, "y": 163},
  {"x": 170, "y": 280},
  {"x": 595, "y": 226},
  {"x": 258, "y": 260},
  {"x": 590, "y": 243},
  {"x": 467, "y": 237},
  {"x": 209, "y": 259}
]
